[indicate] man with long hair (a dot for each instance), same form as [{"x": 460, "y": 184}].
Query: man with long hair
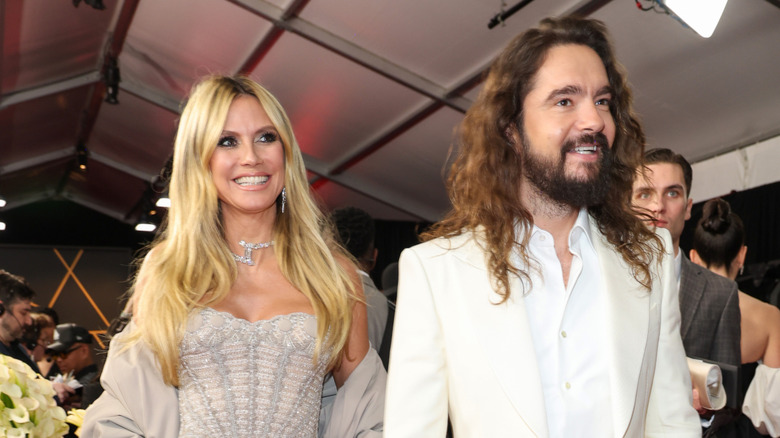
[{"x": 541, "y": 306}]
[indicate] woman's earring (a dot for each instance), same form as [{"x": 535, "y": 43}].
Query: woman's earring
[
  {"x": 284, "y": 197},
  {"x": 741, "y": 269}
]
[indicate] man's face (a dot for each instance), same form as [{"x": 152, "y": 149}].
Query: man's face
[
  {"x": 73, "y": 359},
  {"x": 15, "y": 319},
  {"x": 660, "y": 192},
  {"x": 567, "y": 127}
]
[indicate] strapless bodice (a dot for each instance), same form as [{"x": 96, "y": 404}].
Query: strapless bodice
[{"x": 244, "y": 379}]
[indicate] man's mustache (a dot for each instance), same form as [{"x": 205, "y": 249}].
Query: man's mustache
[{"x": 598, "y": 139}]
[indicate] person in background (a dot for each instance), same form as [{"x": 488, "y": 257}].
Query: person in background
[
  {"x": 709, "y": 304},
  {"x": 355, "y": 229},
  {"x": 72, "y": 350},
  {"x": 541, "y": 306},
  {"x": 37, "y": 337},
  {"x": 245, "y": 303},
  {"x": 15, "y": 304},
  {"x": 390, "y": 281},
  {"x": 719, "y": 245}
]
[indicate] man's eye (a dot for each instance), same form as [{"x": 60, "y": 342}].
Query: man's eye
[
  {"x": 268, "y": 137},
  {"x": 673, "y": 193},
  {"x": 563, "y": 102},
  {"x": 227, "y": 142}
]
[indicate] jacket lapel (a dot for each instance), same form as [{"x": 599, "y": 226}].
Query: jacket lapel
[
  {"x": 627, "y": 313},
  {"x": 691, "y": 292},
  {"x": 505, "y": 337}
]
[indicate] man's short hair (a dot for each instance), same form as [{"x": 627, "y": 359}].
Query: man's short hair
[
  {"x": 355, "y": 229},
  {"x": 14, "y": 288},
  {"x": 663, "y": 155}
]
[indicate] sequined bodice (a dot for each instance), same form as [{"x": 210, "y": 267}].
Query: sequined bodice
[{"x": 243, "y": 379}]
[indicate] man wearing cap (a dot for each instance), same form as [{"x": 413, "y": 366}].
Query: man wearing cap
[{"x": 71, "y": 348}]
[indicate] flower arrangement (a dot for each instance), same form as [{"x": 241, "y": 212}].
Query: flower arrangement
[{"x": 27, "y": 406}]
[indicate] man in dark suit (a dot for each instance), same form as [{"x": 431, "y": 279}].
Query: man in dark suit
[{"x": 709, "y": 304}]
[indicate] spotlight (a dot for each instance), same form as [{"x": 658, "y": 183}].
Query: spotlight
[
  {"x": 2, "y": 202},
  {"x": 700, "y": 15},
  {"x": 2, "y": 226},
  {"x": 81, "y": 157},
  {"x": 146, "y": 227},
  {"x": 145, "y": 223},
  {"x": 164, "y": 202},
  {"x": 112, "y": 81}
]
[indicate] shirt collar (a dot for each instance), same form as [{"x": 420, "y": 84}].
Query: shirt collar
[{"x": 580, "y": 228}]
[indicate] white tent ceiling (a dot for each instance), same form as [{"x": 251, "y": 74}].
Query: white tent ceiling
[{"x": 374, "y": 88}]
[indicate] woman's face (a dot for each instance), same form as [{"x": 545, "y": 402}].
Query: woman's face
[
  {"x": 45, "y": 338},
  {"x": 247, "y": 166}
]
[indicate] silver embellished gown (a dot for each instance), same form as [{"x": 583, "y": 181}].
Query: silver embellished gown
[{"x": 243, "y": 379}]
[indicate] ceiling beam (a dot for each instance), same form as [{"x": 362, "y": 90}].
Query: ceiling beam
[
  {"x": 115, "y": 40},
  {"x": 150, "y": 96},
  {"x": 581, "y": 8},
  {"x": 17, "y": 202},
  {"x": 37, "y": 160},
  {"x": 140, "y": 174},
  {"x": 97, "y": 207},
  {"x": 4, "y": 26},
  {"x": 354, "y": 53},
  {"x": 271, "y": 38},
  {"x": 404, "y": 125},
  {"x": 375, "y": 192},
  {"x": 49, "y": 89}
]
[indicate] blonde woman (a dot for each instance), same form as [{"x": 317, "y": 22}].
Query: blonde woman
[{"x": 244, "y": 303}]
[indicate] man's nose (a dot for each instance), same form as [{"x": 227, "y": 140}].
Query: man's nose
[{"x": 591, "y": 117}]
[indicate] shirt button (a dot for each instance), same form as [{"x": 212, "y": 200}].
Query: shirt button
[
  {"x": 542, "y": 238},
  {"x": 567, "y": 385},
  {"x": 563, "y": 333}
]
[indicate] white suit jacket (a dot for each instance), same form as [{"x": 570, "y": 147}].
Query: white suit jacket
[{"x": 455, "y": 352}]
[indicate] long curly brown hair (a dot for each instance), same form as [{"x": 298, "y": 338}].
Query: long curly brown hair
[{"x": 484, "y": 180}]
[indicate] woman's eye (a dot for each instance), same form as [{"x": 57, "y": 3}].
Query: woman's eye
[
  {"x": 227, "y": 142},
  {"x": 268, "y": 137},
  {"x": 605, "y": 102}
]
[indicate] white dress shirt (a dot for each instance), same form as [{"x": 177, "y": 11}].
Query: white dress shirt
[{"x": 567, "y": 324}]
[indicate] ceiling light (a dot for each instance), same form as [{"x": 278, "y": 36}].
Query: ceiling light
[
  {"x": 81, "y": 157},
  {"x": 2, "y": 226},
  {"x": 700, "y": 15},
  {"x": 146, "y": 227},
  {"x": 164, "y": 202},
  {"x": 2, "y": 202}
]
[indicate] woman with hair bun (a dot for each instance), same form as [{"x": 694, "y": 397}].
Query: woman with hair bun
[
  {"x": 719, "y": 245},
  {"x": 245, "y": 303}
]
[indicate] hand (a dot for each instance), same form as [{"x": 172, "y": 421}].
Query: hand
[
  {"x": 697, "y": 403},
  {"x": 63, "y": 391}
]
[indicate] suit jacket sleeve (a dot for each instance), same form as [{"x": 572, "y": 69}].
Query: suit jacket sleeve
[
  {"x": 727, "y": 337},
  {"x": 417, "y": 399},
  {"x": 670, "y": 408},
  {"x": 135, "y": 402}
]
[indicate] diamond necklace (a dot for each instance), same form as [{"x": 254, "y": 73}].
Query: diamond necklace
[{"x": 248, "y": 247}]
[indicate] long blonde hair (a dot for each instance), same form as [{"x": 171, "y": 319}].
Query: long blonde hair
[{"x": 192, "y": 266}]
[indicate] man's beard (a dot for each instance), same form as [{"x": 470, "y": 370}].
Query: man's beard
[{"x": 551, "y": 180}]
